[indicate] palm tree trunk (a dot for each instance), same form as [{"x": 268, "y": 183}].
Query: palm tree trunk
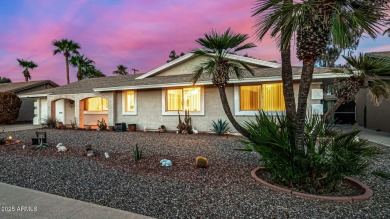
[
  {"x": 67, "y": 69},
  {"x": 226, "y": 108},
  {"x": 304, "y": 89},
  {"x": 288, "y": 92},
  {"x": 26, "y": 78},
  {"x": 331, "y": 111}
]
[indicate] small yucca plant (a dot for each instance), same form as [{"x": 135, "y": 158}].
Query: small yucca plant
[
  {"x": 50, "y": 121},
  {"x": 220, "y": 127}
]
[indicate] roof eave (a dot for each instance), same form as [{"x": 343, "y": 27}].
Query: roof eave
[{"x": 232, "y": 81}]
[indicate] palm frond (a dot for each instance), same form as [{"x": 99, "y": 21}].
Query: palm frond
[{"x": 379, "y": 89}]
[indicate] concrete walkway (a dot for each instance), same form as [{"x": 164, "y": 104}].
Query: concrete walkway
[
  {"x": 371, "y": 135},
  {"x": 19, "y": 203},
  {"x": 18, "y": 127}
]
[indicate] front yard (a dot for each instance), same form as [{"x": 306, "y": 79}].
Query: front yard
[{"x": 224, "y": 190}]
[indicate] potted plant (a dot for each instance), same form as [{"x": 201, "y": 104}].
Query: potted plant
[{"x": 132, "y": 127}]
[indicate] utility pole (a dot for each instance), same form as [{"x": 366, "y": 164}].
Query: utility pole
[{"x": 134, "y": 70}]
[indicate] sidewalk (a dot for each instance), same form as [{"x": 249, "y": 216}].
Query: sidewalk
[
  {"x": 371, "y": 135},
  {"x": 19, "y": 203},
  {"x": 18, "y": 127}
]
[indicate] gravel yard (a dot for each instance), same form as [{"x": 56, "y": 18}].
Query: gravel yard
[{"x": 224, "y": 190}]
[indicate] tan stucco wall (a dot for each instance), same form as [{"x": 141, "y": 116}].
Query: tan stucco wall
[
  {"x": 149, "y": 107},
  {"x": 188, "y": 67},
  {"x": 78, "y": 97}
]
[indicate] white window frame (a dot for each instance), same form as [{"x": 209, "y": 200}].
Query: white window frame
[
  {"x": 174, "y": 113},
  {"x": 124, "y": 112},
  {"x": 239, "y": 112}
]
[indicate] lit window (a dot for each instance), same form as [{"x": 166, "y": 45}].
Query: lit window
[
  {"x": 96, "y": 104},
  {"x": 250, "y": 97},
  {"x": 268, "y": 97},
  {"x": 273, "y": 99},
  {"x": 129, "y": 100},
  {"x": 183, "y": 99}
]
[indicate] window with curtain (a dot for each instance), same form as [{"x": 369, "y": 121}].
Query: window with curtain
[
  {"x": 96, "y": 104},
  {"x": 250, "y": 97},
  {"x": 268, "y": 97},
  {"x": 183, "y": 99},
  {"x": 129, "y": 101}
]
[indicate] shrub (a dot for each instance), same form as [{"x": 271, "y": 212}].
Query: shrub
[
  {"x": 2, "y": 141},
  {"x": 137, "y": 153},
  {"x": 9, "y": 107},
  {"x": 201, "y": 162},
  {"x": 326, "y": 159},
  {"x": 50, "y": 121},
  {"x": 102, "y": 124},
  {"x": 220, "y": 127}
]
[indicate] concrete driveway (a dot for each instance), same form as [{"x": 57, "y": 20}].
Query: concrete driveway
[{"x": 18, "y": 127}]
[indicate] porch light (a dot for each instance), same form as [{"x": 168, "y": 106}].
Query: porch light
[{"x": 10, "y": 138}]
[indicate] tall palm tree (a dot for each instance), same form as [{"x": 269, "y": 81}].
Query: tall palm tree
[
  {"x": 82, "y": 64},
  {"x": 93, "y": 72},
  {"x": 27, "y": 65},
  {"x": 365, "y": 72},
  {"x": 121, "y": 70},
  {"x": 316, "y": 23},
  {"x": 66, "y": 47},
  {"x": 218, "y": 47}
]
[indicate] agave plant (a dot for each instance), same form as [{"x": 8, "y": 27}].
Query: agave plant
[{"x": 220, "y": 127}]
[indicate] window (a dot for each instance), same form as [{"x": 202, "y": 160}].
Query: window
[
  {"x": 183, "y": 99},
  {"x": 129, "y": 102},
  {"x": 251, "y": 98},
  {"x": 96, "y": 104}
]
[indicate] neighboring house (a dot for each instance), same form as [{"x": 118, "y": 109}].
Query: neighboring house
[
  {"x": 368, "y": 114},
  {"x": 26, "y": 112},
  {"x": 154, "y": 98}
]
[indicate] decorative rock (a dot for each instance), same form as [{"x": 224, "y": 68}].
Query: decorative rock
[
  {"x": 201, "y": 162},
  {"x": 145, "y": 130},
  {"x": 61, "y": 148},
  {"x": 106, "y": 155},
  {"x": 166, "y": 163},
  {"x": 195, "y": 131},
  {"x": 90, "y": 153},
  {"x": 24, "y": 146}
]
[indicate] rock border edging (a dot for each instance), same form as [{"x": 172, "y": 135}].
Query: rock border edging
[{"x": 366, "y": 195}]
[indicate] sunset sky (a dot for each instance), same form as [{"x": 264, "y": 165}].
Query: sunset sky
[{"x": 138, "y": 33}]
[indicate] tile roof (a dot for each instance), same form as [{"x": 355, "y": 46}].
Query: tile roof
[
  {"x": 20, "y": 86},
  {"x": 87, "y": 85}
]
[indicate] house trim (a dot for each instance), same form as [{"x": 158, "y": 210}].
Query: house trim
[
  {"x": 232, "y": 81},
  {"x": 190, "y": 55}
]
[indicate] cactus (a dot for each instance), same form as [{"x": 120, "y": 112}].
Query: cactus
[
  {"x": 220, "y": 127},
  {"x": 185, "y": 127},
  {"x": 102, "y": 124},
  {"x": 201, "y": 162},
  {"x": 137, "y": 153}
]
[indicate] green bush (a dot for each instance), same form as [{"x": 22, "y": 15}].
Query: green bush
[
  {"x": 9, "y": 107},
  {"x": 220, "y": 127},
  {"x": 50, "y": 121},
  {"x": 326, "y": 159}
]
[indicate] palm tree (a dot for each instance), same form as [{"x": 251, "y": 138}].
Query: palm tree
[
  {"x": 27, "y": 65},
  {"x": 93, "y": 72},
  {"x": 365, "y": 72},
  {"x": 387, "y": 31},
  {"x": 121, "y": 70},
  {"x": 218, "y": 47},
  {"x": 67, "y": 47},
  {"x": 316, "y": 23},
  {"x": 82, "y": 64}
]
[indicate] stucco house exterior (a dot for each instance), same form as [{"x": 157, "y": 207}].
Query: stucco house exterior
[
  {"x": 26, "y": 112},
  {"x": 154, "y": 98},
  {"x": 368, "y": 114}
]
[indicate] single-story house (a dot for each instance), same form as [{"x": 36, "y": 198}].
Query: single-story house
[
  {"x": 26, "y": 112},
  {"x": 154, "y": 98},
  {"x": 368, "y": 114}
]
